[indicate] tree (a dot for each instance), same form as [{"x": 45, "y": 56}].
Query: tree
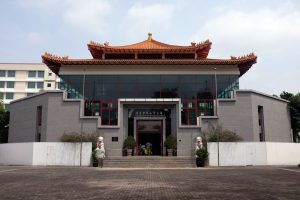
[
  {"x": 4, "y": 121},
  {"x": 218, "y": 133},
  {"x": 294, "y": 106}
]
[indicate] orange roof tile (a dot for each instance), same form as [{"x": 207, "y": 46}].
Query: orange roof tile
[
  {"x": 150, "y": 46},
  {"x": 244, "y": 63}
]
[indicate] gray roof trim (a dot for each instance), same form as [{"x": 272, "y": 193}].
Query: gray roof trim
[{"x": 262, "y": 94}]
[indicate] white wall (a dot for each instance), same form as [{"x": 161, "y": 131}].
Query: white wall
[
  {"x": 253, "y": 153},
  {"x": 45, "y": 154},
  {"x": 16, "y": 154}
]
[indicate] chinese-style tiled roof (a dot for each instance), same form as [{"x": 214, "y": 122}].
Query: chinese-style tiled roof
[
  {"x": 244, "y": 63},
  {"x": 150, "y": 46}
]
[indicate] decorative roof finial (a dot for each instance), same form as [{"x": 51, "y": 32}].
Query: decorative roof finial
[{"x": 149, "y": 36}]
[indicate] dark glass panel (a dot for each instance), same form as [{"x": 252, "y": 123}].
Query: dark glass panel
[
  {"x": 148, "y": 79},
  {"x": 113, "y": 117},
  {"x": 187, "y": 78},
  {"x": 127, "y": 78},
  {"x": 73, "y": 84},
  {"x": 119, "y": 56},
  {"x": 180, "y": 56},
  {"x": 184, "y": 117},
  {"x": 127, "y": 86},
  {"x": 148, "y": 86},
  {"x": 105, "y": 117},
  {"x": 170, "y": 79},
  {"x": 149, "y": 56}
]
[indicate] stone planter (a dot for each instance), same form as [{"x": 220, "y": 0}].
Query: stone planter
[
  {"x": 200, "y": 162},
  {"x": 170, "y": 152},
  {"x": 129, "y": 152}
]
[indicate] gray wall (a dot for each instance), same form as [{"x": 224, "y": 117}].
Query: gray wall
[
  {"x": 63, "y": 116},
  {"x": 241, "y": 116}
]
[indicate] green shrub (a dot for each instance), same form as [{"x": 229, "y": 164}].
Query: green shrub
[
  {"x": 129, "y": 143},
  {"x": 75, "y": 137},
  {"x": 170, "y": 142},
  {"x": 218, "y": 133},
  {"x": 202, "y": 153},
  {"x": 94, "y": 156}
]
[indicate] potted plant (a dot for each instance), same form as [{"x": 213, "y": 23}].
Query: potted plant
[
  {"x": 95, "y": 158},
  {"x": 171, "y": 144},
  {"x": 129, "y": 145},
  {"x": 201, "y": 157}
]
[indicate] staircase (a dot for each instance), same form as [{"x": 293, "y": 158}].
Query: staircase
[{"x": 150, "y": 162}]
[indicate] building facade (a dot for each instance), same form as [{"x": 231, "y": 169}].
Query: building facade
[
  {"x": 149, "y": 90},
  {"x": 18, "y": 80}
]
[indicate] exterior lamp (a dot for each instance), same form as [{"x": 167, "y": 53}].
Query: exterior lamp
[{"x": 216, "y": 88}]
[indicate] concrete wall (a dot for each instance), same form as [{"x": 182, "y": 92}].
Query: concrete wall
[
  {"x": 45, "y": 154},
  {"x": 253, "y": 153},
  {"x": 241, "y": 116}
]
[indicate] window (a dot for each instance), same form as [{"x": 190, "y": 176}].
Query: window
[
  {"x": 31, "y": 74},
  {"x": 10, "y": 84},
  {"x": 50, "y": 74},
  {"x": 39, "y": 120},
  {"x": 48, "y": 84},
  {"x": 261, "y": 123},
  {"x": 29, "y": 94},
  {"x": 2, "y": 84},
  {"x": 2, "y": 73},
  {"x": 11, "y": 73},
  {"x": 40, "y": 85},
  {"x": 1, "y": 95},
  {"x": 41, "y": 74},
  {"x": 31, "y": 85},
  {"x": 9, "y": 95}
]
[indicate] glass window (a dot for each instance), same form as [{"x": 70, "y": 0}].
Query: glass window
[
  {"x": 2, "y": 84},
  {"x": 40, "y": 85},
  {"x": 11, "y": 73},
  {"x": 31, "y": 85},
  {"x": 29, "y": 94},
  {"x": 50, "y": 74},
  {"x": 31, "y": 74},
  {"x": 10, "y": 84},
  {"x": 48, "y": 84},
  {"x": 2, "y": 73},
  {"x": 1, "y": 95},
  {"x": 9, "y": 95},
  {"x": 41, "y": 74}
]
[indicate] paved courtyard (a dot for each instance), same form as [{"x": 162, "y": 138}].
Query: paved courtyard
[{"x": 94, "y": 183}]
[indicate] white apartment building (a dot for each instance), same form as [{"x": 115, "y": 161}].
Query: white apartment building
[{"x": 19, "y": 80}]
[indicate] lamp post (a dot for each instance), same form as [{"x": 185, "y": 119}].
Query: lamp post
[
  {"x": 216, "y": 97},
  {"x": 82, "y": 116}
]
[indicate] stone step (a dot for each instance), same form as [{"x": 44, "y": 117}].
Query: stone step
[{"x": 150, "y": 162}]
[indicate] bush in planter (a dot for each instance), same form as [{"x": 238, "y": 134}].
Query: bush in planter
[
  {"x": 202, "y": 155},
  {"x": 95, "y": 158},
  {"x": 129, "y": 143},
  {"x": 170, "y": 143}
]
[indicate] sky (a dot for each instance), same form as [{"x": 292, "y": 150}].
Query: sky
[{"x": 269, "y": 28}]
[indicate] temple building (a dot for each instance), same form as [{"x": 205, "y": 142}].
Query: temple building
[{"x": 149, "y": 90}]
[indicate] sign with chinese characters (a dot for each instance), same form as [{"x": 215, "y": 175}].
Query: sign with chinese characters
[{"x": 146, "y": 113}]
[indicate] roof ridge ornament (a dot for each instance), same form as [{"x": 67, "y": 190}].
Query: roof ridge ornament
[
  {"x": 46, "y": 54},
  {"x": 250, "y": 55},
  {"x": 149, "y": 36}
]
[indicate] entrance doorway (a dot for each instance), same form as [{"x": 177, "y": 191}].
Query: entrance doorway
[{"x": 149, "y": 137}]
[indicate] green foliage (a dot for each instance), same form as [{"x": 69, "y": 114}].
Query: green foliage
[
  {"x": 202, "y": 153},
  {"x": 129, "y": 143},
  {"x": 218, "y": 133},
  {"x": 170, "y": 142},
  {"x": 94, "y": 156},
  {"x": 4, "y": 122},
  {"x": 294, "y": 105},
  {"x": 75, "y": 137}
]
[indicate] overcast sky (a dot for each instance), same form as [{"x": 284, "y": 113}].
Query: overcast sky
[{"x": 269, "y": 28}]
